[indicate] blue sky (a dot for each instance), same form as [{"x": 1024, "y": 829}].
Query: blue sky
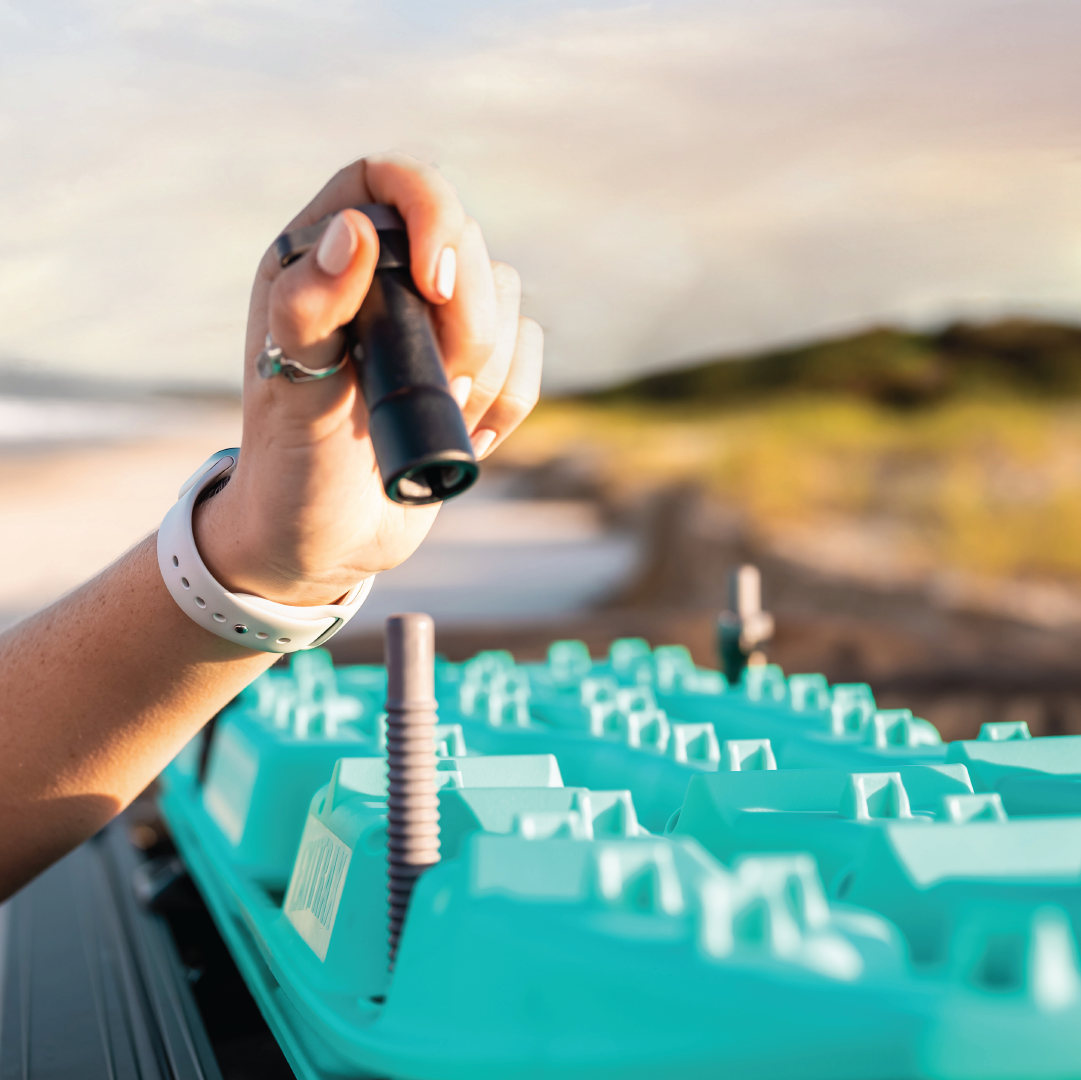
[{"x": 674, "y": 180}]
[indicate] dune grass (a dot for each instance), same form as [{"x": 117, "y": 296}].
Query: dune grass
[{"x": 991, "y": 485}]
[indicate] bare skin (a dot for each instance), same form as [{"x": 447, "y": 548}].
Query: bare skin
[{"x": 104, "y": 687}]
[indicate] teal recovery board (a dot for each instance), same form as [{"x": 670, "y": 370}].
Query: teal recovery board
[{"x": 645, "y": 872}]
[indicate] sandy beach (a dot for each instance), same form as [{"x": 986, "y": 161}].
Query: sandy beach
[
  {"x": 81, "y": 481},
  {"x": 72, "y": 501}
]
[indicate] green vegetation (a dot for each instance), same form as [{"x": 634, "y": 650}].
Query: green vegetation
[
  {"x": 961, "y": 450},
  {"x": 886, "y": 366}
]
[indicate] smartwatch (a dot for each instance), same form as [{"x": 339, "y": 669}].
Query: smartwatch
[{"x": 248, "y": 620}]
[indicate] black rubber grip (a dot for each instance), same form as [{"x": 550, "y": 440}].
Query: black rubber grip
[{"x": 420, "y": 439}]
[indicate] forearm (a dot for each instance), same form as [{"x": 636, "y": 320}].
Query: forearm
[
  {"x": 97, "y": 693},
  {"x": 100, "y": 691}
]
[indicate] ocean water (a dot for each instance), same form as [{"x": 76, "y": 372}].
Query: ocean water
[
  {"x": 36, "y": 421},
  {"x": 50, "y": 419}
]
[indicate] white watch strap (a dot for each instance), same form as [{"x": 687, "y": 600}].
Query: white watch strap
[{"x": 247, "y": 620}]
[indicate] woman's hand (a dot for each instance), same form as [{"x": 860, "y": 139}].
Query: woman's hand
[
  {"x": 305, "y": 517},
  {"x": 92, "y": 710}
]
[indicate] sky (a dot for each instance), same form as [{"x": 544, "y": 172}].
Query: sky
[{"x": 674, "y": 180}]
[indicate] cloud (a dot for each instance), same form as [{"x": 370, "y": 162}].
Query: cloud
[{"x": 673, "y": 180}]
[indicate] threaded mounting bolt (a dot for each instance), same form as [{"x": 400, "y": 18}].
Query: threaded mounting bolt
[{"x": 413, "y": 801}]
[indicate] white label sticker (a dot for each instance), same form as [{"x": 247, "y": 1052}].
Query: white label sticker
[
  {"x": 230, "y": 782},
  {"x": 315, "y": 889}
]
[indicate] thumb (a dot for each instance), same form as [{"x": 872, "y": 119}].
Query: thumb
[{"x": 314, "y": 297}]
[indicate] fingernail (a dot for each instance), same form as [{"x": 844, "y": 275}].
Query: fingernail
[
  {"x": 482, "y": 440},
  {"x": 446, "y": 272},
  {"x": 337, "y": 247},
  {"x": 460, "y": 388}
]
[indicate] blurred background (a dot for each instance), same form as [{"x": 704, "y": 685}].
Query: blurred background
[{"x": 810, "y": 275}]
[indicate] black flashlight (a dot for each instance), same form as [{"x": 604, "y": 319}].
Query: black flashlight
[{"x": 417, "y": 430}]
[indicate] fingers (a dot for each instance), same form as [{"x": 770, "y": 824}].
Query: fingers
[
  {"x": 486, "y": 381},
  {"x": 493, "y": 358},
  {"x": 428, "y": 203},
  {"x": 433, "y": 215},
  {"x": 467, "y": 325},
  {"x": 449, "y": 262},
  {"x": 347, "y": 187},
  {"x": 319, "y": 293},
  {"x": 520, "y": 391}
]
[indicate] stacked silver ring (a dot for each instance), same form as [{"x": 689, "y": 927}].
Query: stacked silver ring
[{"x": 271, "y": 361}]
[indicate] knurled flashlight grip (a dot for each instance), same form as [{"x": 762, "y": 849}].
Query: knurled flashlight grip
[{"x": 420, "y": 439}]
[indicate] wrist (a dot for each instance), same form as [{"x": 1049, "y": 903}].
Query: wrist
[{"x": 228, "y": 536}]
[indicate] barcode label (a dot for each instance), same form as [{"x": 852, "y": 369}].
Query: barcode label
[
  {"x": 315, "y": 889},
  {"x": 230, "y": 782}
]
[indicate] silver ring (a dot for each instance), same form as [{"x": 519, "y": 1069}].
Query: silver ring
[{"x": 271, "y": 362}]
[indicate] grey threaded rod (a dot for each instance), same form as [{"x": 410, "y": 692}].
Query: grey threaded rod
[{"x": 412, "y": 803}]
